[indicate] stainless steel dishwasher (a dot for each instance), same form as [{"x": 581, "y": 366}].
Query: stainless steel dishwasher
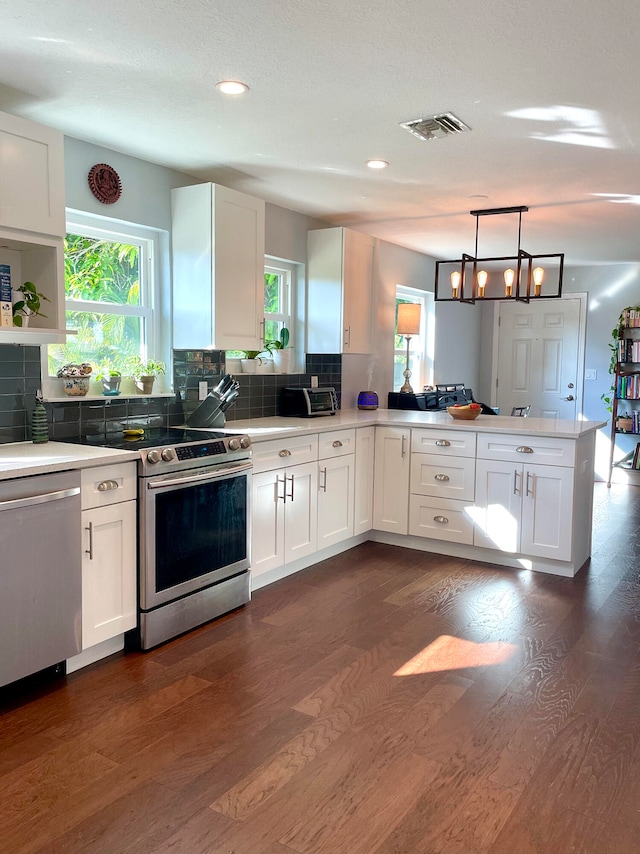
[{"x": 40, "y": 573}]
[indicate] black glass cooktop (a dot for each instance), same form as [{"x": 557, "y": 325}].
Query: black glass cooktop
[{"x": 152, "y": 437}]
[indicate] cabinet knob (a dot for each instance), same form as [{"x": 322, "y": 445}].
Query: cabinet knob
[
  {"x": 443, "y": 443},
  {"x": 284, "y": 453},
  {"x": 107, "y": 485},
  {"x": 337, "y": 443},
  {"x": 441, "y": 520},
  {"x": 524, "y": 449},
  {"x": 442, "y": 477}
]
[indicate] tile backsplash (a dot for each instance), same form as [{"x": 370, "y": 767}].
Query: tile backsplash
[
  {"x": 259, "y": 393},
  {"x": 19, "y": 382}
]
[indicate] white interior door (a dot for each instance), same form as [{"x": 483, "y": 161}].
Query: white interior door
[{"x": 538, "y": 357}]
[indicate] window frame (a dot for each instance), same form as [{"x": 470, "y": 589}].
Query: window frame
[
  {"x": 288, "y": 272},
  {"x": 149, "y": 241},
  {"x": 422, "y": 345}
]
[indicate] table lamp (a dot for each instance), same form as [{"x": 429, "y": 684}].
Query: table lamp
[{"x": 408, "y": 325}]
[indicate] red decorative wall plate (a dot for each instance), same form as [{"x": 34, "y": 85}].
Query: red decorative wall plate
[{"x": 105, "y": 183}]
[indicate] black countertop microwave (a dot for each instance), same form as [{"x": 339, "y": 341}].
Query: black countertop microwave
[{"x": 308, "y": 402}]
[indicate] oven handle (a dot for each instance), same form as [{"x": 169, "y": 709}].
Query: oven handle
[{"x": 199, "y": 478}]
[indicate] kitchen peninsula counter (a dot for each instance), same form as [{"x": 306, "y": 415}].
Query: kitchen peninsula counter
[{"x": 277, "y": 427}]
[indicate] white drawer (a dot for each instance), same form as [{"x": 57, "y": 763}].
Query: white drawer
[
  {"x": 526, "y": 449},
  {"x": 278, "y": 453},
  {"x": 336, "y": 443},
  {"x": 456, "y": 443},
  {"x": 446, "y": 477},
  {"x": 440, "y": 519},
  {"x": 105, "y": 485}
]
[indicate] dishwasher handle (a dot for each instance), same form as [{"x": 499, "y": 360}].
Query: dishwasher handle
[{"x": 44, "y": 498}]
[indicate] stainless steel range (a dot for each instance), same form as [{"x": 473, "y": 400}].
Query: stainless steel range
[{"x": 194, "y": 491}]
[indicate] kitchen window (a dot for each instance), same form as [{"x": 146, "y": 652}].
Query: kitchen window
[
  {"x": 278, "y": 287},
  {"x": 109, "y": 294},
  {"x": 421, "y": 346}
]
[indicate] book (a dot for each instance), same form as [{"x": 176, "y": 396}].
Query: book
[{"x": 6, "y": 309}]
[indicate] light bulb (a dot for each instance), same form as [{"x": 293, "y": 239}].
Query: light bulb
[
  {"x": 538, "y": 276},
  {"x": 509, "y": 276},
  {"x": 455, "y": 284},
  {"x": 481, "y": 279}
]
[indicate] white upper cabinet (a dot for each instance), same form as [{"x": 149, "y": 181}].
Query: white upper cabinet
[
  {"x": 340, "y": 297},
  {"x": 31, "y": 177},
  {"x": 218, "y": 268}
]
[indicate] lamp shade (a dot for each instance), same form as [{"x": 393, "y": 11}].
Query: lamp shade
[{"x": 408, "y": 318}]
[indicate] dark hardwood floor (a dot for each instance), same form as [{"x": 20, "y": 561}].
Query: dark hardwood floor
[{"x": 386, "y": 701}]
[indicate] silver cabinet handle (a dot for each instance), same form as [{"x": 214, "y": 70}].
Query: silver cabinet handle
[
  {"x": 262, "y": 328},
  {"x": 337, "y": 443},
  {"x": 531, "y": 490},
  {"x": 442, "y": 520},
  {"x": 284, "y": 491},
  {"x": 404, "y": 446},
  {"x": 292, "y": 479},
  {"x": 442, "y": 477},
  {"x": 284, "y": 453},
  {"x": 347, "y": 336},
  {"x": 107, "y": 485},
  {"x": 323, "y": 485},
  {"x": 524, "y": 449},
  {"x": 89, "y": 551},
  {"x": 516, "y": 485},
  {"x": 443, "y": 443}
]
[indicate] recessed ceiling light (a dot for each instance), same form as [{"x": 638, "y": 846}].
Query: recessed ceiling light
[
  {"x": 377, "y": 164},
  {"x": 232, "y": 87}
]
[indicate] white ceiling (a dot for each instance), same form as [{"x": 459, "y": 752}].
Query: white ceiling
[{"x": 550, "y": 89}]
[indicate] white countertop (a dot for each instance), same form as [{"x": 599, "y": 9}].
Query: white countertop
[
  {"x": 261, "y": 429},
  {"x": 24, "y": 458}
]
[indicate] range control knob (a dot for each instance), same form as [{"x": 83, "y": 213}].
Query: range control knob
[
  {"x": 168, "y": 454},
  {"x": 245, "y": 442},
  {"x": 153, "y": 457},
  {"x": 234, "y": 444}
]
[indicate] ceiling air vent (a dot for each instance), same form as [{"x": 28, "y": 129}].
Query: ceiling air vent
[{"x": 434, "y": 127}]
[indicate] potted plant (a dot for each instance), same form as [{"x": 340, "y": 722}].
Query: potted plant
[
  {"x": 110, "y": 381},
  {"x": 279, "y": 352},
  {"x": 144, "y": 372},
  {"x": 76, "y": 378},
  {"x": 28, "y": 304},
  {"x": 251, "y": 360}
]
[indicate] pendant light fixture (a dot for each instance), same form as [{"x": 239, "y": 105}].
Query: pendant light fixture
[{"x": 471, "y": 278}]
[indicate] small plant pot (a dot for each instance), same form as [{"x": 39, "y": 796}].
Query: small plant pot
[
  {"x": 282, "y": 361},
  {"x": 111, "y": 386},
  {"x": 144, "y": 385},
  {"x": 249, "y": 366},
  {"x": 76, "y": 386}
]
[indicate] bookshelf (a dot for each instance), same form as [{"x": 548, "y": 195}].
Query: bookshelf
[{"x": 625, "y": 391}]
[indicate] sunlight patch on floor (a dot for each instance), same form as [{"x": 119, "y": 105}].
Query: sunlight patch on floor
[{"x": 450, "y": 653}]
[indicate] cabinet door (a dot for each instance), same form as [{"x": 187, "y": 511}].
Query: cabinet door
[
  {"x": 391, "y": 489},
  {"x": 498, "y": 505},
  {"x": 267, "y": 521},
  {"x": 363, "y": 499},
  {"x": 301, "y": 511},
  {"x": 547, "y": 512},
  {"x": 32, "y": 186},
  {"x": 238, "y": 270},
  {"x": 357, "y": 292},
  {"x": 335, "y": 500},
  {"x": 108, "y": 572}
]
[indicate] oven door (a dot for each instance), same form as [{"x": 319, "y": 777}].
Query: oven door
[{"x": 194, "y": 530}]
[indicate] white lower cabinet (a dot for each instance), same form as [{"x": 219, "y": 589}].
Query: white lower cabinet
[
  {"x": 391, "y": 487},
  {"x": 335, "y": 500},
  {"x": 109, "y": 552},
  {"x": 284, "y": 516},
  {"x": 525, "y": 508},
  {"x": 363, "y": 477}
]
